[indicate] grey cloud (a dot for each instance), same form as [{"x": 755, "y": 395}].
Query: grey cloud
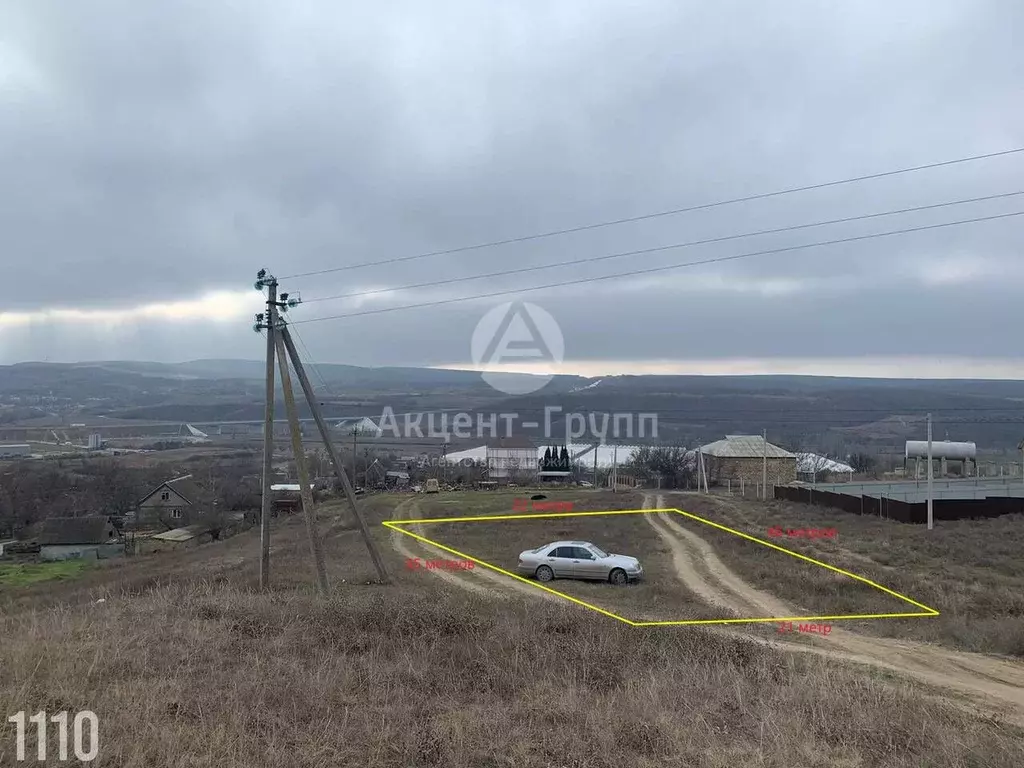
[{"x": 173, "y": 149}]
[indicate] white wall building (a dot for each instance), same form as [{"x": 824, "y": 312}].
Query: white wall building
[{"x": 509, "y": 458}]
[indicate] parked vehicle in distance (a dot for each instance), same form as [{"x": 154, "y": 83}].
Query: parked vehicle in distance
[
  {"x": 578, "y": 560},
  {"x": 431, "y": 486}
]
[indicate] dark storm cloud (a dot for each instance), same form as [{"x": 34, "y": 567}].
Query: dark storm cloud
[{"x": 159, "y": 151}]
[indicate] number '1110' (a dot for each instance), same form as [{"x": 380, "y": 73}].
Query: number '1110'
[{"x": 85, "y": 722}]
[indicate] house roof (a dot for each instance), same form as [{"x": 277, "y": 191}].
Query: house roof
[
  {"x": 183, "y": 534},
  {"x": 361, "y": 423},
  {"x": 185, "y": 486},
  {"x": 812, "y": 462},
  {"x": 512, "y": 441},
  {"x": 745, "y": 447},
  {"x": 92, "y": 529}
]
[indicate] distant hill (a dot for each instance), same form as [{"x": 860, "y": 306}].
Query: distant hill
[
  {"x": 254, "y": 370},
  {"x": 815, "y": 412}
]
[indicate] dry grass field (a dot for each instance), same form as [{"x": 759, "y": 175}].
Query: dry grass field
[
  {"x": 971, "y": 571},
  {"x": 186, "y": 664}
]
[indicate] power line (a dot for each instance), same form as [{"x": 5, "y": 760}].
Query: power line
[
  {"x": 659, "y": 214},
  {"x": 667, "y": 268},
  {"x": 312, "y": 363},
  {"x": 892, "y": 410},
  {"x": 756, "y": 413},
  {"x": 691, "y": 243}
]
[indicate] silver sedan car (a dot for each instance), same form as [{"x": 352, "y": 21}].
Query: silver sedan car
[{"x": 578, "y": 560}]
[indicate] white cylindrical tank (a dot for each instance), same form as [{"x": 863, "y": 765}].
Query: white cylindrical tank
[{"x": 942, "y": 449}]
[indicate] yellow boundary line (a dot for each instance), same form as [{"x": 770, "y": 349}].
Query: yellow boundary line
[{"x": 399, "y": 525}]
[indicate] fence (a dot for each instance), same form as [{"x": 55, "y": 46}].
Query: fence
[{"x": 902, "y": 511}]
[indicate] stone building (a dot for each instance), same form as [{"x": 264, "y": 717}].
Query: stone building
[{"x": 741, "y": 459}]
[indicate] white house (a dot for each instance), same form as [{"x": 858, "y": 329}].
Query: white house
[{"x": 509, "y": 458}]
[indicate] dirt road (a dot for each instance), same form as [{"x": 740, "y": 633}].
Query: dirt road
[
  {"x": 480, "y": 580},
  {"x": 976, "y": 682},
  {"x": 989, "y": 683}
]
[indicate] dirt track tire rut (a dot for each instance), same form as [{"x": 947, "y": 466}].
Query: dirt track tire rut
[
  {"x": 993, "y": 683},
  {"x": 496, "y": 584}
]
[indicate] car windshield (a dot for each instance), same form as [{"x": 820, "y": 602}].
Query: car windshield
[
  {"x": 598, "y": 551},
  {"x": 540, "y": 549}
]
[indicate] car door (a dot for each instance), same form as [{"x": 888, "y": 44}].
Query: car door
[
  {"x": 560, "y": 559},
  {"x": 586, "y": 565}
]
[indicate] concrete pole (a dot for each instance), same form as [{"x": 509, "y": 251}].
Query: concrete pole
[
  {"x": 615, "y": 468},
  {"x": 930, "y": 472},
  {"x": 355, "y": 438},
  {"x": 764, "y": 467},
  {"x": 325, "y": 435},
  {"x": 305, "y": 492},
  {"x": 266, "y": 507}
]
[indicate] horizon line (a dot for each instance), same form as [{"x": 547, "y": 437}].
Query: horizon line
[{"x": 888, "y": 368}]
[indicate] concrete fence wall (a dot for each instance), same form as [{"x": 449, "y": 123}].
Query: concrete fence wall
[{"x": 901, "y": 511}]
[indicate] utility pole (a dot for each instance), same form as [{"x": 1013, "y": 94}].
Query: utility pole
[
  {"x": 1020, "y": 447},
  {"x": 270, "y": 283},
  {"x": 325, "y": 435},
  {"x": 305, "y": 491},
  {"x": 615, "y": 468},
  {"x": 929, "y": 471},
  {"x": 355, "y": 437},
  {"x": 764, "y": 467}
]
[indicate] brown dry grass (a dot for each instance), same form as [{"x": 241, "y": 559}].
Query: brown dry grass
[
  {"x": 206, "y": 672},
  {"x": 972, "y": 571},
  {"x": 212, "y": 675}
]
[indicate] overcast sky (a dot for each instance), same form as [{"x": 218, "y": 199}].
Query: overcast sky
[{"x": 154, "y": 156}]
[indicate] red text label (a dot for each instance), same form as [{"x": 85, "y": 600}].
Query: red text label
[
  {"x": 415, "y": 564},
  {"x": 815, "y": 629},
  {"x": 803, "y": 533},
  {"x": 522, "y": 505}
]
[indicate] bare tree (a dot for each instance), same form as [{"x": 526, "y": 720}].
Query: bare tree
[
  {"x": 863, "y": 463},
  {"x": 512, "y": 470},
  {"x": 669, "y": 463}
]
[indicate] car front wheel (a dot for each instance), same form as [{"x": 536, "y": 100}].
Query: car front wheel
[
  {"x": 618, "y": 576},
  {"x": 545, "y": 574}
]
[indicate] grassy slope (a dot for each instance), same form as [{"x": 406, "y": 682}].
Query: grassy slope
[
  {"x": 206, "y": 672},
  {"x": 970, "y": 571},
  {"x": 23, "y": 574}
]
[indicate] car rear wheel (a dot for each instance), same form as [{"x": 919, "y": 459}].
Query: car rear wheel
[
  {"x": 618, "y": 576},
  {"x": 545, "y": 574}
]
